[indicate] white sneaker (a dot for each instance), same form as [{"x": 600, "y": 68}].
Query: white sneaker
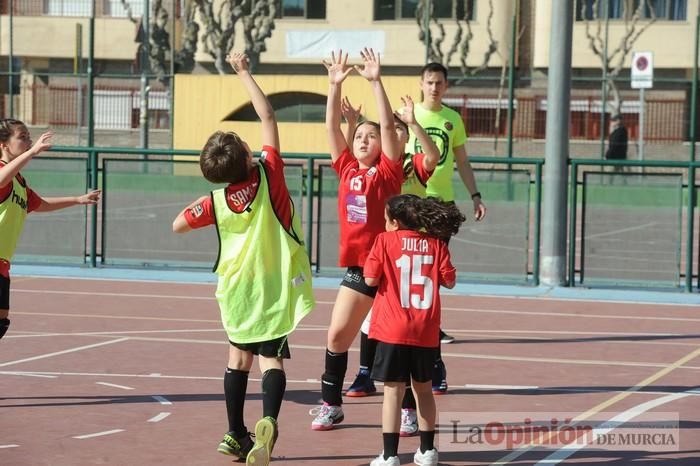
[
  {"x": 380, "y": 461},
  {"x": 327, "y": 417},
  {"x": 429, "y": 458},
  {"x": 409, "y": 423}
]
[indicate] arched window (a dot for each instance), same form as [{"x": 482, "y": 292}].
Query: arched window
[{"x": 290, "y": 107}]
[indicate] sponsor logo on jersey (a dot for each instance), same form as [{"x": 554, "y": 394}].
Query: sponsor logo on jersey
[
  {"x": 197, "y": 210},
  {"x": 441, "y": 140}
]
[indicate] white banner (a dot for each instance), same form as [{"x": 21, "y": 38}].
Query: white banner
[{"x": 319, "y": 44}]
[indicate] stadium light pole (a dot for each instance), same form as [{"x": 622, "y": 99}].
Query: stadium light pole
[{"x": 553, "y": 257}]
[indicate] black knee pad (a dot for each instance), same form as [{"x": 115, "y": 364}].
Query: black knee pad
[{"x": 4, "y": 325}]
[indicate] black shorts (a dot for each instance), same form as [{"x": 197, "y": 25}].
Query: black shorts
[
  {"x": 277, "y": 348},
  {"x": 401, "y": 363},
  {"x": 4, "y": 293},
  {"x": 355, "y": 280}
]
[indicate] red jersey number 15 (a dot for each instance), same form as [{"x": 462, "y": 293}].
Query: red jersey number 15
[{"x": 414, "y": 276}]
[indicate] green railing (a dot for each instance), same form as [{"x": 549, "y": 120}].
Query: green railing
[
  {"x": 633, "y": 189},
  {"x": 142, "y": 173}
]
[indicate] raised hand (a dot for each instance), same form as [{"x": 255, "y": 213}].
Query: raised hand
[
  {"x": 351, "y": 114},
  {"x": 338, "y": 68},
  {"x": 371, "y": 65},
  {"x": 239, "y": 61},
  {"x": 43, "y": 143},
  {"x": 406, "y": 113}
]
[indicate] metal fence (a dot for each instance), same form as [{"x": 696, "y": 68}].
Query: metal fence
[{"x": 631, "y": 227}]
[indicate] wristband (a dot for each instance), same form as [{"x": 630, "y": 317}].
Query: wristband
[{"x": 476, "y": 194}]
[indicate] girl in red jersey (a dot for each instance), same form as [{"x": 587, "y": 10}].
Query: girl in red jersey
[
  {"x": 409, "y": 263},
  {"x": 369, "y": 174}
]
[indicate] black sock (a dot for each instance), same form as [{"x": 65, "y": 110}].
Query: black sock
[
  {"x": 391, "y": 444},
  {"x": 274, "y": 382},
  {"x": 235, "y": 386},
  {"x": 368, "y": 347},
  {"x": 4, "y": 325},
  {"x": 427, "y": 440},
  {"x": 409, "y": 401},
  {"x": 332, "y": 379}
]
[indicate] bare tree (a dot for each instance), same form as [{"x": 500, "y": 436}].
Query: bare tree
[
  {"x": 436, "y": 35},
  {"x": 613, "y": 62},
  {"x": 159, "y": 38},
  {"x": 257, "y": 18}
]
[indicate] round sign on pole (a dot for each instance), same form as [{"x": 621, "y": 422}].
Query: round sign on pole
[{"x": 642, "y": 72}]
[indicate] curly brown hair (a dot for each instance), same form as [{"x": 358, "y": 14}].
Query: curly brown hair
[
  {"x": 438, "y": 218},
  {"x": 225, "y": 158}
]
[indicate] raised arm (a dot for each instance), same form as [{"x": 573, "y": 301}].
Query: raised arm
[
  {"x": 371, "y": 72},
  {"x": 352, "y": 116},
  {"x": 49, "y": 204},
  {"x": 338, "y": 70},
  {"x": 432, "y": 153},
  {"x": 241, "y": 65},
  {"x": 15, "y": 165}
]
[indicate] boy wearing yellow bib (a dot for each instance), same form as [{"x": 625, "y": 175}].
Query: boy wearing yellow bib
[{"x": 264, "y": 287}]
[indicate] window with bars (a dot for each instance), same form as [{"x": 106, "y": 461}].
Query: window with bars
[
  {"x": 669, "y": 10},
  {"x": 387, "y": 10}
]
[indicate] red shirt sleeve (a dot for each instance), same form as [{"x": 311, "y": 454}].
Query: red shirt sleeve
[
  {"x": 201, "y": 214},
  {"x": 279, "y": 193},
  {"x": 34, "y": 200},
  {"x": 448, "y": 273},
  {"x": 373, "y": 264},
  {"x": 392, "y": 172},
  {"x": 419, "y": 167}
]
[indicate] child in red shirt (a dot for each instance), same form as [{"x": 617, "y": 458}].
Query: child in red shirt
[
  {"x": 409, "y": 263},
  {"x": 369, "y": 174}
]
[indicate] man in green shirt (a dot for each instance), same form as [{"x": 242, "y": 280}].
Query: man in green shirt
[{"x": 446, "y": 128}]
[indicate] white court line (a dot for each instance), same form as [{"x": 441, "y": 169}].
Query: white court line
[
  {"x": 565, "y": 452},
  {"x": 571, "y": 314},
  {"x": 107, "y": 384},
  {"x": 98, "y": 434},
  {"x": 121, "y": 295},
  {"x": 609, "y": 402},
  {"x": 618, "y": 231},
  {"x": 501, "y": 387},
  {"x": 27, "y": 374},
  {"x": 113, "y": 333},
  {"x": 58, "y": 353},
  {"x": 158, "y": 417},
  {"x": 320, "y": 302},
  {"x": 9, "y": 446},
  {"x": 161, "y": 399}
]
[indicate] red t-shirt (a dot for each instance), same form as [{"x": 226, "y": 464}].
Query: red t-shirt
[
  {"x": 33, "y": 203},
  {"x": 411, "y": 267},
  {"x": 419, "y": 167},
  {"x": 240, "y": 195},
  {"x": 362, "y": 196}
]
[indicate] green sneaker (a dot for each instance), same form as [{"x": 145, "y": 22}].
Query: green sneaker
[
  {"x": 265, "y": 438},
  {"x": 235, "y": 446}
]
